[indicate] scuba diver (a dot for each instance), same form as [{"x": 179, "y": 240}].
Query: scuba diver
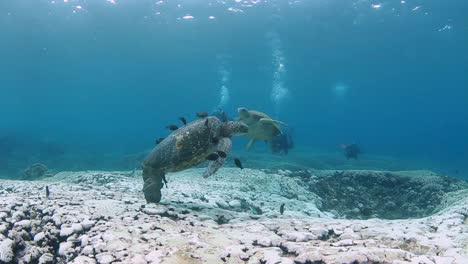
[
  {"x": 282, "y": 143},
  {"x": 351, "y": 151}
]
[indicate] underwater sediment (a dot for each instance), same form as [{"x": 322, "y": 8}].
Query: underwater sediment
[{"x": 234, "y": 217}]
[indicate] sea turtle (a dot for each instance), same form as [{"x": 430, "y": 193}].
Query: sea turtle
[
  {"x": 186, "y": 147},
  {"x": 261, "y": 126}
]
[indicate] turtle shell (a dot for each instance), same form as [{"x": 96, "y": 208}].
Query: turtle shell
[
  {"x": 186, "y": 147},
  {"x": 256, "y": 115}
]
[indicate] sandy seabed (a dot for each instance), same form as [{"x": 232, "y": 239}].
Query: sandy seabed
[{"x": 231, "y": 217}]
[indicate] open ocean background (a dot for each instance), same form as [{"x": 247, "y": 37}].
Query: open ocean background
[{"x": 83, "y": 83}]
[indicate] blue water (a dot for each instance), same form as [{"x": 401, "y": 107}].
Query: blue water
[{"x": 99, "y": 78}]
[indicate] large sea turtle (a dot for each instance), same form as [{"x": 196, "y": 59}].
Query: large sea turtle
[
  {"x": 186, "y": 147},
  {"x": 261, "y": 126}
]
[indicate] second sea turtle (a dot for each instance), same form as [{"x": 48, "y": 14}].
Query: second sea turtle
[{"x": 261, "y": 126}]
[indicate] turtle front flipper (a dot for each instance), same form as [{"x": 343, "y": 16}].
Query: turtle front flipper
[
  {"x": 224, "y": 145},
  {"x": 271, "y": 121},
  {"x": 153, "y": 183}
]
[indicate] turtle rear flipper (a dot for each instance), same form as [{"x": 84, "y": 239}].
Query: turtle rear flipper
[
  {"x": 250, "y": 144},
  {"x": 224, "y": 145},
  {"x": 153, "y": 183},
  {"x": 271, "y": 121}
]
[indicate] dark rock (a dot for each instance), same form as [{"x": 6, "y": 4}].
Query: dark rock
[
  {"x": 388, "y": 195},
  {"x": 34, "y": 171}
]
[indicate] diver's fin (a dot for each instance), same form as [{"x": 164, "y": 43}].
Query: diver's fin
[
  {"x": 224, "y": 145},
  {"x": 271, "y": 121},
  {"x": 250, "y": 144}
]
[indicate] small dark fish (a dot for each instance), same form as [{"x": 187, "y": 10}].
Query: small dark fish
[
  {"x": 282, "y": 208},
  {"x": 222, "y": 154},
  {"x": 159, "y": 140},
  {"x": 172, "y": 127},
  {"x": 224, "y": 117},
  {"x": 212, "y": 156},
  {"x": 238, "y": 163},
  {"x": 75, "y": 241},
  {"x": 183, "y": 120},
  {"x": 47, "y": 192},
  {"x": 214, "y": 140},
  {"x": 456, "y": 171},
  {"x": 206, "y": 122},
  {"x": 202, "y": 114}
]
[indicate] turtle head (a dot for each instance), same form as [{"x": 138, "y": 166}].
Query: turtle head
[
  {"x": 234, "y": 128},
  {"x": 243, "y": 112}
]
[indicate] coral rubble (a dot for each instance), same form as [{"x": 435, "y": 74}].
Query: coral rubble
[{"x": 232, "y": 217}]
